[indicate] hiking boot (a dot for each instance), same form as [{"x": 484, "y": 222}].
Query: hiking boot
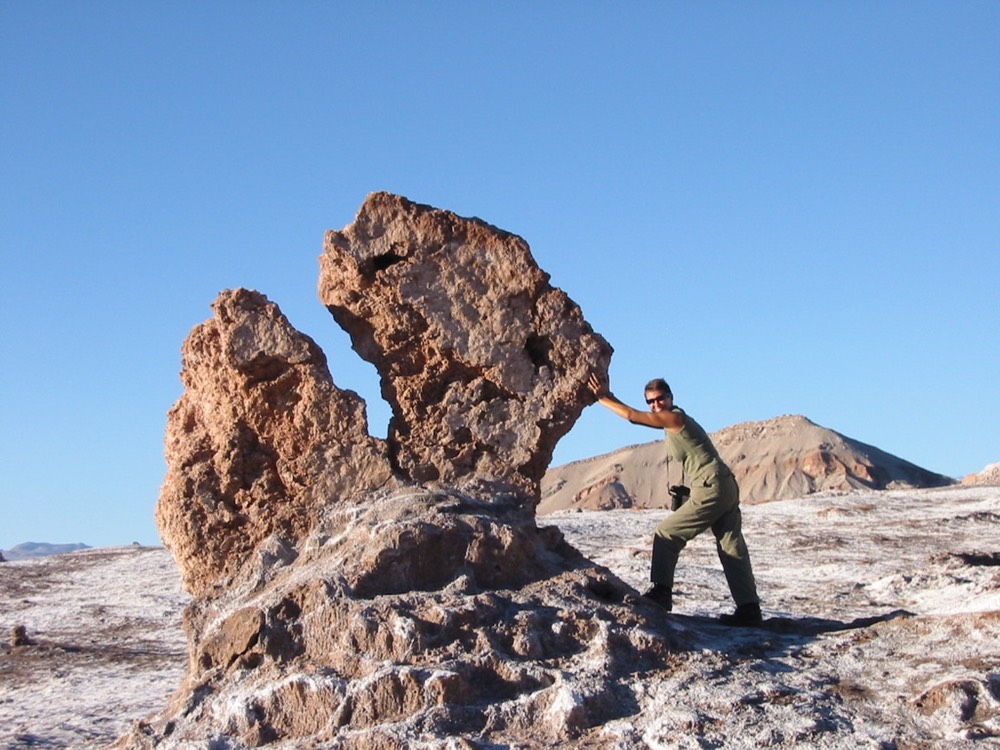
[
  {"x": 660, "y": 594},
  {"x": 745, "y": 616}
]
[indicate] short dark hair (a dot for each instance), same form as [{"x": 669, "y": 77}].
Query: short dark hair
[{"x": 658, "y": 384}]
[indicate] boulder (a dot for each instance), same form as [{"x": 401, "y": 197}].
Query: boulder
[{"x": 19, "y": 636}]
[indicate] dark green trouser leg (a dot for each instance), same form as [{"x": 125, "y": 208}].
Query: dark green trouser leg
[{"x": 718, "y": 509}]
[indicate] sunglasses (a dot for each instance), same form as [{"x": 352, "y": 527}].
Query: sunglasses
[{"x": 656, "y": 399}]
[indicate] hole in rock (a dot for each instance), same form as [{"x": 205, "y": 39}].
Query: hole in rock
[
  {"x": 383, "y": 261},
  {"x": 538, "y": 349},
  {"x": 351, "y": 372}
]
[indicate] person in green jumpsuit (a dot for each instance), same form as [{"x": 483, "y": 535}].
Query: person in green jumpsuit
[{"x": 714, "y": 502}]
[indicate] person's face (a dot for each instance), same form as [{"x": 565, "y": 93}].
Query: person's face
[{"x": 659, "y": 401}]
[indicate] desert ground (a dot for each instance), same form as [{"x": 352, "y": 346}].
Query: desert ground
[{"x": 884, "y": 631}]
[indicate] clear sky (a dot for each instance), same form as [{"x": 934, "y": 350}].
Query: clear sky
[{"x": 781, "y": 207}]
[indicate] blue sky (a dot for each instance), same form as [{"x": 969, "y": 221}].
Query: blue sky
[{"x": 782, "y": 208}]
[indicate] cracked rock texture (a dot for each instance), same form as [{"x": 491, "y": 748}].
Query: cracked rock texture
[
  {"x": 482, "y": 360},
  {"x": 358, "y": 593},
  {"x": 414, "y": 617},
  {"x": 260, "y": 441}
]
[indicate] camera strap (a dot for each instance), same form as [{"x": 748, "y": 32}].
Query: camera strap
[{"x": 668, "y": 470}]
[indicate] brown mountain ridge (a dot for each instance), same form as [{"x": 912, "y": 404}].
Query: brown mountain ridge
[{"x": 775, "y": 459}]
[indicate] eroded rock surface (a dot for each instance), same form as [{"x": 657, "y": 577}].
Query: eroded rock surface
[
  {"x": 482, "y": 360},
  {"x": 358, "y": 593},
  {"x": 990, "y": 475},
  {"x": 259, "y": 443},
  {"x": 417, "y": 616}
]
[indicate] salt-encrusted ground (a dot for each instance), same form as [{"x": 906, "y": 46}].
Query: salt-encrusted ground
[
  {"x": 108, "y": 644},
  {"x": 924, "y": 566},
  {"x": 927, "y": 680}
]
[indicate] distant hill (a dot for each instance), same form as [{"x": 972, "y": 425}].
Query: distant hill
[
  {"x": 775, "y": 459},
  {"x": 39, "y": 549}
]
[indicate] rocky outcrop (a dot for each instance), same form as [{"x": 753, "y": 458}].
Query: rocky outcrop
[
  {"x": 988, "y": 476},
  {"x": 259, "y": 443},
  {"x": 358, "y": 593},
  {"x": 482, "y": 360},
  {"x": 775, "y": 459},
  {"x": 416, "y": 616},
  {"x": 19, "y": 637}
]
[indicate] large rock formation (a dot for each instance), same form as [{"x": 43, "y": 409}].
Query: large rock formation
[
  {"x": 260, "y": 442},
  {"x": 355, "y": 593},
  {"x": 776, "y": 459},
  {"x": 483, "y": 362}
]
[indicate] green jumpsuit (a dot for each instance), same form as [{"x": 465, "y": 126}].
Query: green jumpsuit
[{"x": 714, "y": 504}]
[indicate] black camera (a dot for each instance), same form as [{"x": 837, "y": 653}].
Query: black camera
[{"x": 678, "y": 495}]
